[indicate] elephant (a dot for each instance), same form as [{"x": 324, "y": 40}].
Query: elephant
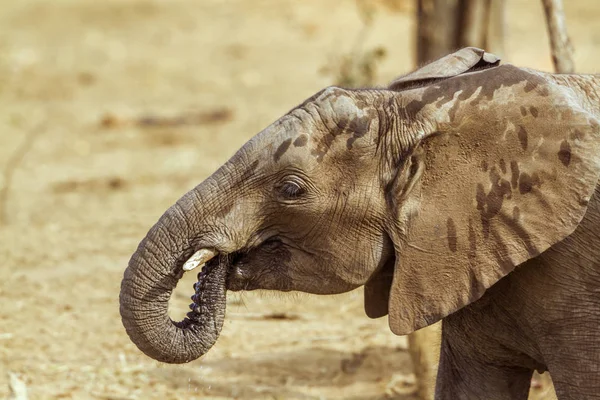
[{"x": 464, "y": 192}]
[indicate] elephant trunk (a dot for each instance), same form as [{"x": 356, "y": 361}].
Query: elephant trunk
[{"x": 152, "y": 274}]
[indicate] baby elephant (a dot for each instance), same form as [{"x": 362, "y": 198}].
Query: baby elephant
[{"x": 430, "y": 193}]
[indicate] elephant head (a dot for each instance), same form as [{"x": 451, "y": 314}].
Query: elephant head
[{"x": 426, "y": 192}]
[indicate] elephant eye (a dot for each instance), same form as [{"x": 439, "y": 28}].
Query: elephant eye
[{"x": 291, "y": 190}]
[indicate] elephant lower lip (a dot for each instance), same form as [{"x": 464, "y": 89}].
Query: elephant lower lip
[
  {"x": 239, "y": 278},
  {"x": 235, "y": 277},
  {"x": 236, "y": 286}
]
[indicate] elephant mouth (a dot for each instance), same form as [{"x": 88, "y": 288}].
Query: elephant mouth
[
  {"x": 236, "y": 267},
  {"x": 251, "y": 268}
]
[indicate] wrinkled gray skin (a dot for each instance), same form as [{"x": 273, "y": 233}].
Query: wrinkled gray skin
[
  {"x": 429, "y": 193},
  {"x": 543, "y": 316}
]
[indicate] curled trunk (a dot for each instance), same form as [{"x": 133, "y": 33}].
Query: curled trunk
[{"x": 152, "y": 274}]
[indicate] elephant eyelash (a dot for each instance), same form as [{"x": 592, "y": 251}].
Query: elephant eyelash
[
  {"x": 291, "y": 190},
  {"x": 414, "y": 166}
]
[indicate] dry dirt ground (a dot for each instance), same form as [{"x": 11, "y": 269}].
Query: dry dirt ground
[{"x": 79, "y": 78}]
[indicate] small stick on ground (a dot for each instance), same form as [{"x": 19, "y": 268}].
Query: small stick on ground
[
  {"x": 17, "y": 387},
  {"x": 11, "y": 166},
  {"x": 265, "y": 316},
  {"x": 562, "y": 50}
]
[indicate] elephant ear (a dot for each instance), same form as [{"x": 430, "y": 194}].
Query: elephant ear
[
  {"x": 464, "y": 60},
  {"x": 468, "y": 59},
  {"x": 503, "y": 166}
]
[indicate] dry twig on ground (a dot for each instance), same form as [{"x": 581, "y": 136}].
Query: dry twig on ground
[
  {"x": 17, "y": 387},
  {"x": 12, "y": 165}
]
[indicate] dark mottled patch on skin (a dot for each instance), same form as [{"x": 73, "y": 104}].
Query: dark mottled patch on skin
[
  {"x": 500, "y": 189},
  {"x": 480, "y": 197},
  {"x": 523, "y": 111},
  {"x": 282, "y": 149},
  {"x": 533, "y": 111},
  {"x": 323, "y": 146},
  {"x": 472, "y": 240},
  {"x": 501, "y": 251},
  {"x": 529, "y": 86},
  {"x": 357, "y": 127},
  {"x": 567, "y": 114},
  {"x": 522, "y": 233},
  {"x": 522, "y": 134},
  {"x": 360, "y": 126},
  {"x": 528, "y": 182},
  {"x": 490, "y": 204},
  {"x": 514, "y": 172},
  {"x": 440, "y": 93},
  {"x": 516, "y": 213},
  {"x": 485, "y": 227},
  {"x": 564, "y": 154},
  {"x": 333, "y": 93},
  {"x": 452, "y": 239},
  {"x": 503, "y": 165},
  {"x": 350, "y": 142},
  {"x": 484, "y": 165},
  {"x": 301, "y": 141}
]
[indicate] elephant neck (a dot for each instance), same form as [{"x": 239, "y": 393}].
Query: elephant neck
[
  {"x": 595, "y": 98},
  {"x": 586, "y": 89}
]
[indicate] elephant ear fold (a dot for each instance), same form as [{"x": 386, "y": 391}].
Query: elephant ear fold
[
  {"x": 497, "y": 175},
  {"x": 464, "y": 60}
]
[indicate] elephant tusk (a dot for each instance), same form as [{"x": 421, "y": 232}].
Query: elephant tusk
[{"x": 198, "y": 258}]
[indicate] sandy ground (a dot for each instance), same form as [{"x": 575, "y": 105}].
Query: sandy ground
[{"x": 74, "y": 77}]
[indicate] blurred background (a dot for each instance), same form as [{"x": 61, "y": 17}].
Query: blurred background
[{"x": 111, "y": 110}]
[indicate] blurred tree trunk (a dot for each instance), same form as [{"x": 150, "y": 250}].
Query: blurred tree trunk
[
  {"x": 562, "y": 50},
  {"x": 424, "y": 349},
  {"x": 494, "y": 41},
  {"x": 472, "y": 18},
  {"x": 444, "y": 26},
  {"x": 436, "y": 28}
]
